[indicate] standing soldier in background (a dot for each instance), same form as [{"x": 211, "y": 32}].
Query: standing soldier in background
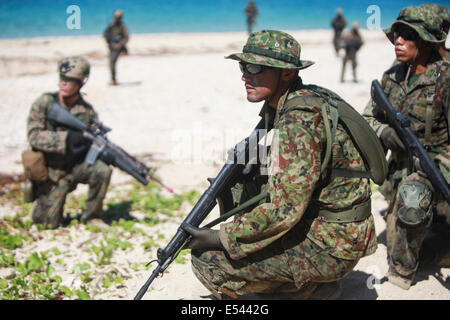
[
  {"x": 251, "y": 11},
  {"x": 351, "y": 42},
  {"x": 62, "y": 151},
  {"x": 418, "y": 87},
  {"x": 442, "y": 14},
  {"x": 116, "y": 35},
  {"x": 316, "y": 222},
  {"x": 339, "y": 23}
]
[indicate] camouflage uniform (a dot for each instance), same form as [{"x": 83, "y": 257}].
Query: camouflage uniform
[
  {"x": 251, "y": 11},
  {"x": 425, "y": 101},
  {"x": 338, "y": 24},
  {"x": 116, "y": 33},
  {"x": 280, "y": 245},
  {"x": 352, "y": 42},
  {"x": 64, "y": 170}
]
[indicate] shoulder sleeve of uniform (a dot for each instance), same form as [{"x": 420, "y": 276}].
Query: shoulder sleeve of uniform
[
  {"x": 42, "y": 103},
  {"x": 39, "y": 137},
  {"x": 305, "y": 99}
]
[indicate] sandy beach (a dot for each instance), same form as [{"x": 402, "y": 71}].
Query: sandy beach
[{"x": 179, "y": 100}]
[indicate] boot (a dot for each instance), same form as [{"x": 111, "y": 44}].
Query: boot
[{"x": 399, "y": 280}]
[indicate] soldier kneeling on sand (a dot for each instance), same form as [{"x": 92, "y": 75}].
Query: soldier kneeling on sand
[
  {"x": 417, "y": 86},
  {"x": 315, "y": 223},
  {"x": 54, "y": 165}
]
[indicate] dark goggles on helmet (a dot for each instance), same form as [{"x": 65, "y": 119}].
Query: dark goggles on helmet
[
  {"x": 407, "y": 34},
  {"x": 252, "y": 69}
]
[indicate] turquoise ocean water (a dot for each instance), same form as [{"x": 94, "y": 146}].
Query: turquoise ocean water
[{"x": 34, "y": 18}]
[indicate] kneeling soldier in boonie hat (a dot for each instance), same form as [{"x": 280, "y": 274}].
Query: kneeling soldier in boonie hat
[{"x": 313, "y": 227}]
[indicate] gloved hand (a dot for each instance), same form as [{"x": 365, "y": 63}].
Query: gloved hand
[
  {"x": 391, "y": 140},
  {"x": 76, "y": 143},
  {"x": 203, "y": 238}
]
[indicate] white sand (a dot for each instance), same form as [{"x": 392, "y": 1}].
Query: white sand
[{"x": 180, "y": 100}]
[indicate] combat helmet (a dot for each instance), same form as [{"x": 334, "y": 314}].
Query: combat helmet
[
  {"x": 424, "y": 22},
  {"x": 118, "y": 13},
  {"x": 272, "y": 48},
  {"x": 75, "y": 67}
]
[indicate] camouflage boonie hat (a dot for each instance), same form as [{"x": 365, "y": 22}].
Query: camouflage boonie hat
[
  {"x": 441, "y": 13},
  {"x": 75, "y": 67},
  {"x": 272, "y": 48},
  {"x": 424, "y": 22}
]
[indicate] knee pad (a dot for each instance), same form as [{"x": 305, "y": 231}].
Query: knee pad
[{"x": 415, "y": 204}]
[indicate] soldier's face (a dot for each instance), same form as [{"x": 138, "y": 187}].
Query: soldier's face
[
  {"x": 406, "y": 44},
  {"x": 68, "y": 87},
  {"x": 262, "y": 86}
]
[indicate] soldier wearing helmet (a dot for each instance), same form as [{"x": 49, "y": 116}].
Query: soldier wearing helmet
[
  {"x": 418, "y": 87},
  {"x": 116, "y": 36},
  {"x": 64, "y": 150},
  {"x": 295, "y": 243}
]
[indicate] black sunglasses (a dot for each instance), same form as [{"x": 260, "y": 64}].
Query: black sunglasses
[
  {"x": 406, "y": 33},
  {"x": 252, "y": 69}
]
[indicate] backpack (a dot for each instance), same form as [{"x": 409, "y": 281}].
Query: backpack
[{"x": 363, "y": 136}]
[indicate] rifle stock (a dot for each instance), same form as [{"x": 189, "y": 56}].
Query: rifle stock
[{"x": 402, "y": 127}]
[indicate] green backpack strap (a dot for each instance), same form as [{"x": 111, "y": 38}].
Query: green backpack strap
[
  {"x": 330, "y": 131},
  {"x": 362, "y": 135}
]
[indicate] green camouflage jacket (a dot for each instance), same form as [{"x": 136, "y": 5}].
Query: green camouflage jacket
[
  {"x": 116, "y": 33},
  {"x": 413, "y": 103},
  {"x": 295, "y": 186},
  {"x": 44, "y": 136}
]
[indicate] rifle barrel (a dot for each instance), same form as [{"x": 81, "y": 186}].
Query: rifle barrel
[{"x": 144, "y": 288}]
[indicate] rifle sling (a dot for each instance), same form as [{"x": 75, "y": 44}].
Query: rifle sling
[{"x": 238, "y": 209}]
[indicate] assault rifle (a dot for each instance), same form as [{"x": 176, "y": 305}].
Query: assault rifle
[
  {"x": 385, "y": 112},
  {"x": 219, "y": 190},
  {"x": 101, "y": 147}
]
